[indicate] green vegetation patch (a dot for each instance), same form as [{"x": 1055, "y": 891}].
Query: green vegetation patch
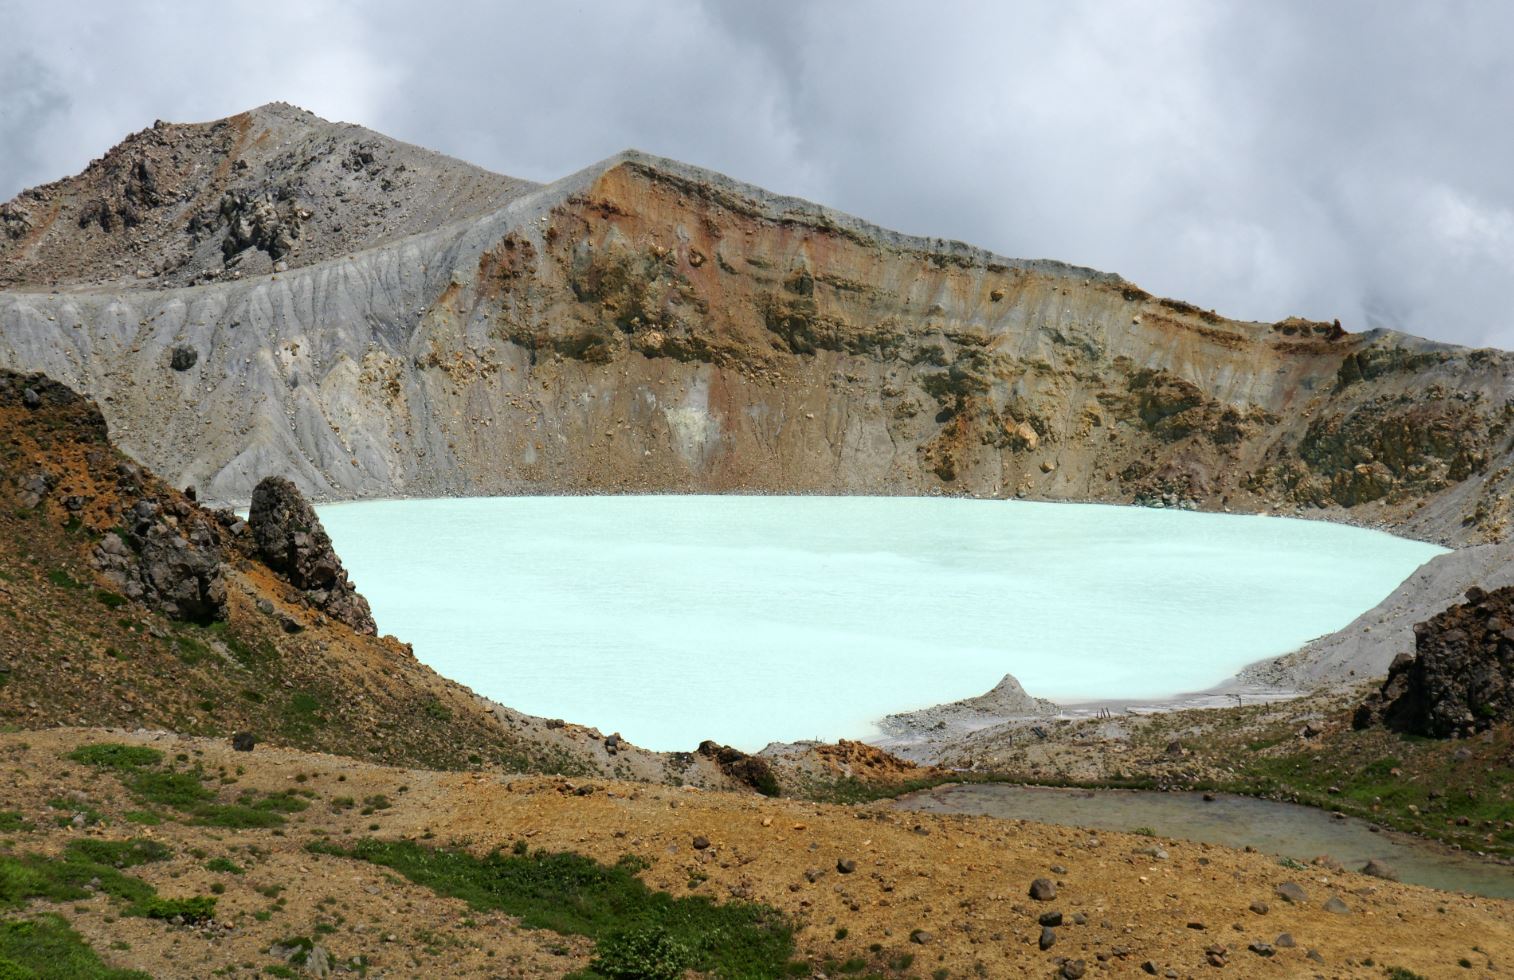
[
  {"x": 196, "y": 908},
  {"x": 1460, "y": 792},
  {"x": 92, "y": 867},
  {"x": 119, "y": 853},
  {"x": 184, "y": 790},
  {"x": 63, "y": 580},
  {"x": 637, "y": 932},
  {"x": 45, "y": 948},
  {"x": 24, "y": 877},
  {"x": 10, "y": 820},
  {"x": 116, "y": 755}
]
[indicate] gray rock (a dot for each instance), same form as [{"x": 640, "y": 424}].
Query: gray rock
[
  {"x": 1380, "y": 869},
  {"x": 183, "y": 358},
  {"x": 1335, "y": 905},
  {"x": 1048, "y": 938},
  {"x": 291, "y": 540},
  {"x": 174, "y": 565},
  {"x": 1043, "y": 890},
  {"x": 1007, "y": 701},
  {"x": 1292, "y": 892},
  {"x": 318, "y": 962}
]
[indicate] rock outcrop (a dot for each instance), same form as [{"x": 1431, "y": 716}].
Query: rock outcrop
[
  {"x": 291, "y": 540},
  {"x": 166, "y": 555},
  {"x": 1460, "y": 679},
  {"x": 160, "y": 551},
  {"x": 1006, "y": 702},
  {"x": 741, "y": 767}
]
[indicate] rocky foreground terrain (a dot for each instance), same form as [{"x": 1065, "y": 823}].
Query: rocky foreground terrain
[{"x": 865, "y": 891}]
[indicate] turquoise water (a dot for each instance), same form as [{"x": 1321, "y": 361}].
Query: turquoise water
[{"x": 752, "y": 619}]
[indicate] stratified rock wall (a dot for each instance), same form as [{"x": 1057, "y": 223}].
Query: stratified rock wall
[{"x": 645, "y": 326}]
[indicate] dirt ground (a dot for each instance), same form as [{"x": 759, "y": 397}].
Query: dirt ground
[{"x": 1126, "y": 900}]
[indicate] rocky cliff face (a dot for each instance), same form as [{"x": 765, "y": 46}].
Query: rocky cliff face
[{"x": 646, "y": 326}]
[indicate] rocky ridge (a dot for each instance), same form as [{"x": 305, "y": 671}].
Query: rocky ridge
[
  {"x": 269, "y": 189},
  {"x": 645, "y": 325}
]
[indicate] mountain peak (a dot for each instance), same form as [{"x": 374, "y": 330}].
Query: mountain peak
[{"x": 273, "y": 187}]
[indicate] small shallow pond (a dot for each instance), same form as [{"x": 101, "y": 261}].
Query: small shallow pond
[
  {"x": 673, "y": 619},
  {"x": 1298, "y": 832}
]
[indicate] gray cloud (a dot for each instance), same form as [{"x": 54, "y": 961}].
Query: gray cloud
[{"x": 1264, "y": 159}]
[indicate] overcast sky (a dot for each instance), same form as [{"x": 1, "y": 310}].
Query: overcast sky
[{"x": 1343, "y": 159}]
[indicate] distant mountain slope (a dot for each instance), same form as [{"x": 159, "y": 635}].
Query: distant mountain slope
[
  {"x": 648, "y": 326},
  {"x": 179, "y": 204}
]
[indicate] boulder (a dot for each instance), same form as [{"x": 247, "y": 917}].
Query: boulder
[
  {"x": 291, "y": 541},
  {"x": 748, "y": 770},
  {"x": 1460, "y": 679}
]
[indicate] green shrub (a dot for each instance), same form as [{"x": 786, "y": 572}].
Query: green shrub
[
  {"x": 648, "y": 953},
  {"x": 63, "y": 580},
  {"x": 198, "y": 908},
  {"x": 118, "y": 853},
  {"x": 115, "y": 755},
  {"x": 179, "y": 790}
]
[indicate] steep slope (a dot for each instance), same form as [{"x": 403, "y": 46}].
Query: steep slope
[
  {"x": 645, "y": 325},
  {"x": 1371, "y": 642},
  {"x": 125, "y": 603},
  {"x": 179, "y": 204}
]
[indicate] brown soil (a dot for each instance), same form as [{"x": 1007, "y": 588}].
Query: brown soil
[{"x": 963, "y": 880}]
